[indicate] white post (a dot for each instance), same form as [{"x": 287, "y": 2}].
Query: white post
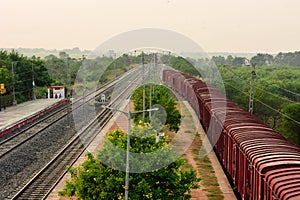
[
  {"x": 127, "y": 157},
  {"x": 144, "y": 90},
  {"x": 251, "y": 99},
  {"x": 13, "y": 74},
  {"x": 129, "y": 115}
]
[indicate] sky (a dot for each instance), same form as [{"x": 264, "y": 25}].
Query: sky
[{"x": 239, "y": 26}]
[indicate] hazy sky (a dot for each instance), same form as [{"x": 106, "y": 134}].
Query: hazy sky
[{"x": 216, "y": 25}]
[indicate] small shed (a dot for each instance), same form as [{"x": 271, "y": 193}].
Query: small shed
[{"x": 56, "y": 92}]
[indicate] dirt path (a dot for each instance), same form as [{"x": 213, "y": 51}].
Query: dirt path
[
  {"x": 214, "y": 184},
  {"x": 188, "y": 131},
  {"x": 197, "y": 194}
]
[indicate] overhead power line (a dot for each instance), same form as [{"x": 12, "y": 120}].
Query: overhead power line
[
  {"x": 270, "y": 107},
  {"x": 275, "y": 95},
  {"x": 288, "y": 91}
]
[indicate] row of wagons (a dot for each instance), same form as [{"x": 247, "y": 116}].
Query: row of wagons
[{"x": 260, "y": 162}]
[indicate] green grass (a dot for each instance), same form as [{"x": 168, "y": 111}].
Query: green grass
[
  {"x": 207, "y": 174},
  {"x": 204, "y": 166},
  {"x": 195, "y": 151}
]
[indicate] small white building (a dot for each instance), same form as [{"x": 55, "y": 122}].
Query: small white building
[{"x": 56, "y": 92}]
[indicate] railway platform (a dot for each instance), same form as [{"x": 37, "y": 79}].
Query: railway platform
[{"x": 15, "y": 115}]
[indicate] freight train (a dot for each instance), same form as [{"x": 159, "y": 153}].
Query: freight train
[{"x": 260, "y": 162}]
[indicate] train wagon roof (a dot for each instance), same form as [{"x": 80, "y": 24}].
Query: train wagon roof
[
  {"x": 266, "y": 163},
  {"x": 284, "y": 182}
]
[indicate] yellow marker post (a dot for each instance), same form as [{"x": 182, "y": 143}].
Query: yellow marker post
[{"x": 3, "y": 90}]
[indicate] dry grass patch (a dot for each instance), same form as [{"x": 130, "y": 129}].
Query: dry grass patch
[{"x": 207, "y": 173}]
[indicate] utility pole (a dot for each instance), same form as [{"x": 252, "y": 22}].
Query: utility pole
[
  {"x": 69, "y": 87},
  {"x": 33, "y": 83},
  {"x": 144, "y": 90},
  {"x": 169, "y": 60},
  {"x": 129, "y": 115},
  {"x": 69, "y": 78},
  {"x": 115, "y": 63},
  {"x": 84, "y": 82},
  {"x": 253, "y": 75},
  {"x": 13, "y": 74},
  {"x": 150, "y": 86}
]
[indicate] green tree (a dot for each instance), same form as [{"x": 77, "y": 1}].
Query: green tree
[
  {"x": 275, "y": 88},
  {"x": 238, "y": 61},
  {"x": 5, "y": 76},
  {"x": 161, "y": 96},
  {"x": 181, "y": 64},
  {"x": 262, "y": 59},
  {"x": 229, "y": 60},
  {"x": 95, "y": 180},
  {"x": 21, "y": 78},
  {"x": 269, "y": 116},
  {"x": 287, "y": 59},
  {"x": 219, "y": 60},
  {"x": 290, "y": 122}
]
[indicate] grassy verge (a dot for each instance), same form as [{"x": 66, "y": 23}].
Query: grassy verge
[
  {"x": 207, "y": 173},
  {"x": 209, "y": 180}
]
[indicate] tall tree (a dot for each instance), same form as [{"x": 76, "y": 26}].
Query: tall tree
[
  {"x": 262, "y": 59},
  {"x": 219, "y": 60},
  {"x": 290, "y": 122},
  {"x": 20, "y": 72},
  {"x": 161, "y": 96},
  {"x": 95, "y": 180}
]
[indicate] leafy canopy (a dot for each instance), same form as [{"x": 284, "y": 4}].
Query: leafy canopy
[
  {"x": 18, "y": 72},
  {"x": 95, "y": 180},
  {"x": 160, "y": 96},
  {"x": 290, "y": 122}
]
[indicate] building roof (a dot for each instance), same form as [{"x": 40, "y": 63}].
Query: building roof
[{"x": 56, "y": 87}]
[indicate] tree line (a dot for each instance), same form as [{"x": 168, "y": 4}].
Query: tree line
[
  {"x": 281, "y": 59},
  {"x": 30, "y": 76},
  {"x": 276, "y": 95},
  {"x": 22, "y": 75},
  {"x": 276, "y": 86}
]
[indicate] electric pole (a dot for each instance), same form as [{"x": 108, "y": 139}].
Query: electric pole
[
  {"x": 169, "y": 60},
  {"x": 115, "y": 63},
  {"x": 150, "y": 86},
  {"x": 84, "y": 82},
  {"x": 33, "y": 83},
  {"x": 13, "y": 74},
  {"x": 253, "y": 75},
  {"x": 144, "y": 90}
]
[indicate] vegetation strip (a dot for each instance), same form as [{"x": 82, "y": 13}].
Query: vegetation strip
[{"x": 204, "y": 167}]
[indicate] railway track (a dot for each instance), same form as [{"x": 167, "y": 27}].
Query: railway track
[
  {"x": 37, "y": 127},
  {"x": 41, "y": 184},
  {"x": 26, "y": 134},
  {"x": 28, "y": 149},
  {"x": 46, "y": 179}
]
